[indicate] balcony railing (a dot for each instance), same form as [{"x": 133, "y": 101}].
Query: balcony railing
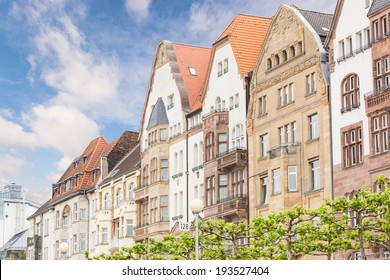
[
  {"x": 377, "y": 96},
  {"x": 177, "y": 175},
  {"x": 215, "y": 111},
  {"x": 234, "y": 157},
  {"x": 286, "y": 148},
  {"x": 227, "y": 206},
  {"x": 196, "y": 168},
  {"x": 349, "y": 108}
]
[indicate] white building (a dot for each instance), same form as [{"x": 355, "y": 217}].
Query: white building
[{"x": 14, "y": 210}]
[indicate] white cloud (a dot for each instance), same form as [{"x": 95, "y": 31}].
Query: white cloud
[
  {"x": 139, "y": 9},
  {"x": 10, "y": 166},
  {"x": 65, "y": 129},
  {"x": 15, "y": 137}
]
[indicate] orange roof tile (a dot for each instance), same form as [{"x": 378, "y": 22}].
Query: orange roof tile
[
  {"x": 197, "y": 58},
  {"x": 246, "y": 34}
]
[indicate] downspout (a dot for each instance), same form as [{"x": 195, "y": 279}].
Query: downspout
[
  {"x": 187, "y": 173},
  {"x": 248, "y": 80},
  {"x": 331, "y": 141}
]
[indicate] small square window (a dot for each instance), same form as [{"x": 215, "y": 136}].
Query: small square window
[{"x": 192, "y": 71}]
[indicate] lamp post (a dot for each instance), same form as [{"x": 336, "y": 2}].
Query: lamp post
[
  {"x": 196, "y": 208},
  {"x": 64, "y": 247}
]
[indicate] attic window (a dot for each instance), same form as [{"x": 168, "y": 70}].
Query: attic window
[
  {"x": 192, "y": 71},
  {"x": 84, "y": 160},
  {"x": 75, "y": 164}
]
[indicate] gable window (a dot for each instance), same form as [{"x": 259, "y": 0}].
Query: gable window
[
  {"x": 219, "y": 69},
  {"x": 269, "y": 63},
  {"x": 263, "y": 105},
  {"x": 225, "y": 65},
  {"x": 311, "y": 83},
  {"x": 170, "y": 102}
]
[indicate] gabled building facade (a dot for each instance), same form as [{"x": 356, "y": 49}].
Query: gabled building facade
[
  {"x": 288, "y": 118},
  {"x": 234, "y": 54},
  {"x": 163, "y": 197}
]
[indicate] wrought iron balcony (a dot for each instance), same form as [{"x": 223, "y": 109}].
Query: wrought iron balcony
[{"x": 283, "y": 149}]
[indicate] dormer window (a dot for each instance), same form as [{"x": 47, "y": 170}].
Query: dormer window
[
  {"x": 192, "y": 71},
  {"x": 85, "y": 160},
  {"x": 75, "y": 165}
]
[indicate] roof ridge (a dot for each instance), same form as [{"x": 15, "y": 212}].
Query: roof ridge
[
  {"x": 315, "y": 12},
  {"x": 187, "y": 45}
]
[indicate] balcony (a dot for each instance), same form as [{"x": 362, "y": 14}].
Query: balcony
[
  {"x": 219, "y": 116},
  {"x": 234, "y": 205},
  {"x": 141, "y": 192},
  {"x": 236, "y": 157},
  {"x": 113, "y": 245},
  {"x": 283, "y": 149},
  {"x": 377, "y": 97},
  {"x": 349, "y": 108},
  {"x": 147, "y": 230}
]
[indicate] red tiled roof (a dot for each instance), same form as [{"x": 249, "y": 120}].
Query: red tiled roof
[
  {"x": 198, "y": 58},
  {"x": 246, "y": 35}
]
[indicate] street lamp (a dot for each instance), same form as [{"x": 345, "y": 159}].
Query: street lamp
[
  {"x": 64, "y": 247},
  {"x": 196, "y": 208}
]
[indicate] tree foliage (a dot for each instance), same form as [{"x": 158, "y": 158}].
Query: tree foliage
[{"x": 357, "y": 223}]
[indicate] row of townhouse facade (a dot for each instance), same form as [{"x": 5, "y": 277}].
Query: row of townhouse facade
[{"x": 279, "y": 111}]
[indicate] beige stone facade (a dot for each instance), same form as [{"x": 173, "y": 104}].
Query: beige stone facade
[{"x": 288, "y": 119}]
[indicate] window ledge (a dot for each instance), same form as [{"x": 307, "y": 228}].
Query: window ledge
[
  {"x": 262, "y": 206},
  {"x": 262, "y": 158},
  {"x": 259, "y": 116},
  {"x": 312, "y": 191},
  {"x": 292, "y": 191},
  {"x": 312, "y": 140},
  {"x": 275, "y": 194},
  {"x": 310, "y": 94},
  {"x": 285, "y": 105},
  {"x": 353, "y": 166}
]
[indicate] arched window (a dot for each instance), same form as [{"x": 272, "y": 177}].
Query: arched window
[
  {"x": 218, "y": 105},
  {"x": 153, "y": 170},
  {"x": 269, "y": 63},
  {"x": 209, "y": 146},
  {"x": 292, "y": 51},
  {"x": 350, "y": 93},
  {"x": 238, "y": 136},
  {"x": 145, "y": 175},
  {"x": 131, "y": 191},
  {"x": 284, "y": 56},
  {"x": 119, "y": 197},
  {"x": 107, "y": 201},
  {"x": 277, "y": 60},
  {"x": 300, "y": 48},
  {"x": 196, "y": 154},
  {"x": 66, "y": 216}
]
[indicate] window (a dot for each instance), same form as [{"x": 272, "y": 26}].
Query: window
[
  {"x": 210, "y": 191},
  {"x": 237, "y": 183},
  {"x": 380, "y": 133},
  {"x": 181, "y": 203},
  {"x": 210, "y": 146},
  {"x": 367, "y": 38},
  {"x": 104, "y": 235},
  {"x": 350, "y": 93},
  {"x": 131, "y": 191},
  {"x": 384, "y": 26},
  {"x": 46, "y": 227},
  {"x": 222, "y": 143},
  {"x": 192, "y": 71},
  {"x": 153, "y": 170},
  {"x": 386, "y": 63},
  {"x": 236, "y": 100},
  {"x": 277, "y": 60},
  {"x": 225, "y": 65},
  {"x": 129, "y": 227},
  {"x": 284, "y": 56},
  {"x": 359, "y": 40},
  {"x": 107, "y": 201},
  {"x": 379, "y": 86},
  {"x": 163, "y": 134},
  {"x": 181, "y": 161},
  {"x": 349, "y": 46},
  {"x": 378, "y": 68},
  {"x": 286, "y": 94},
  {"x": 276, "y": 181},
  {"x": 219, "y": 69},
  {"x": 175, "y": 205},
  {"x": 311, "y": 84},
  {"x": 74, "y": 244},
  {"x": 68, "y": 185},
  {"x": 119, "y": 197},
  {"x": 292, "y": 51},
  {"x": 294, "y": 133},
  {"x": 75, "y": 211},
  {"x": 238, "y": 136},
  {"x": 264, "y": 145},
  {"x": 170, "y": 102},
  {"x": 287, "y": 134},
  {"x": 342, "y": 50},
  {"x": 83, "y": 241},
  {"x": 164, "y": 208},
  {"x": 218, "y": 105},
  {"x": 315, "y": 174},
  {"x": 313, "y": 123},
  {"x": 57, "y": 219},
  {"x": 292, "y": 178},
  {"x": 264, "y": 190},
  {"x": 196, "y": 153},
  {"x": 83, "y": 213},
  {"x": 368, "y": 4},
  {"x": 231, "y": 103},
  {"x": 164, "y": 170},
  {"x": 269, "y": 63},
  {"x": 376, "y": 30},
  {"x": 263, "y": 105},
  {"x": 223, "y": 191}
]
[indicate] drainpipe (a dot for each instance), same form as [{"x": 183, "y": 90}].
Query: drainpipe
[
  {"x": 247, "y": 99},
  {"x": 187, "y": 173}
]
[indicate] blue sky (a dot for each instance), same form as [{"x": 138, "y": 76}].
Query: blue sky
[{"x": 73, "y": 70}]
